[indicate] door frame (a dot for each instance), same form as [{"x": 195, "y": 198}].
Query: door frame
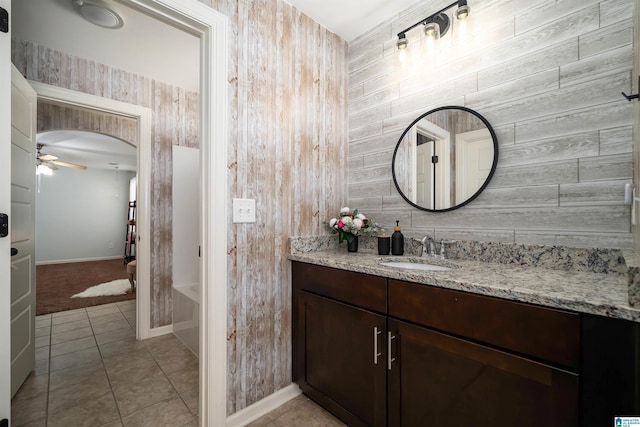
[
  {"x": 211, "y": 27},
  {"x": 142, "y": 116},
  {"x": 5, "y": 207}
]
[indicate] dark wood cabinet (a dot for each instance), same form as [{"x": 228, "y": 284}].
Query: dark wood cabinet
[
  {"x": 340, "y": 367},
  {"x": 441, "y": 380},
  {"x": 381, "y": 352}
]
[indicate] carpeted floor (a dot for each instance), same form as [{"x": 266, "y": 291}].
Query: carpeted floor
[{"x": 55, "y": 283}]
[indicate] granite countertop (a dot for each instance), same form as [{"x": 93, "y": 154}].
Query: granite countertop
[{"x": 575, "y": 289}]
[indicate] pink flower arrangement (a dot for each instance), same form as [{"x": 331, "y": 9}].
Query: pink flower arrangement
[{"x": 350, "y": 224}]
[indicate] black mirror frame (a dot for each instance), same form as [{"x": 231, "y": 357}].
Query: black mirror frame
[{"x": 482, "y": 187}]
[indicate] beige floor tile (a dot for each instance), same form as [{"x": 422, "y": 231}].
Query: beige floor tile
[
  {"x": 122, "y": 347},
  {"x": 163, "y": 343},
  {"x": 126, "y": 304},
  {"x": 307, "y": 414},
  {"x": 186, "y": 378},
  {"x": 29, "y": 412},
  {"x": 88, "y": 357},
  {"x": 77, "y": 376},
  {"x": 42, "y": 353},
  {"x": 177, "y": 362},
  {"x": 43, "y": 323},
  {"x": 69, "y": 318},
  {"x": 263, "y": 421},
  {"x": 68, "y": 326},
  {"x": 191, "y": 398},
  {"x": 43, "y": 332},
  {"x": 116, "y": 325},
  {"x": 41, "y": 367},
  {"x": 135, "y": 395},
  {"x": 74, "y": 334},
  {"x": 103, "y": 307},
  {"x": 96, "y": 411},
  {"x": 105, "y": 316},
  {"x": 130, "y": 374},
  {"x": 117, "y": 335},
  {"x": 69, "y": 312},
  {"x": 71, "y": 346},
  {"x": 33, "y": 386},
  {"x": 169, "y": 413},
  {"x": 289, "y": 406},
  {"x": 42, "y": 341}
]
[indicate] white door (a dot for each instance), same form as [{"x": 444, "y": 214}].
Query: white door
[
  {"x": 424, "y": 192},
  {"x": 22, "y": 224},
  {"x": 5, "y": 207},
  {"x": 474, "y": 158}
]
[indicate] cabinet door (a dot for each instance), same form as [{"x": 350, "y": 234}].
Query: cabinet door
[
  {"x": 439, "y": 380},
  {"x": 339, "y": 369}
]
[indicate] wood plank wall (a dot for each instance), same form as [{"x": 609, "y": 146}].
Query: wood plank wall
[
  {"x": 288, "y": 150},
  {"x": 288, "y": 92},
  {"x": 547, "y": 75},
  {"x": 175, "y": 122}
]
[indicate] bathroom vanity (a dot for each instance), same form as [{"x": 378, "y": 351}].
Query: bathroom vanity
[{"x": 482, "y": 344}]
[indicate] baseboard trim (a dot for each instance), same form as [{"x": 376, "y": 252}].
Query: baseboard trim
[
  {"x": 263, "y": 407},
  {"x": 68, "y": 261},
  {"x": 160, "y": 330}
]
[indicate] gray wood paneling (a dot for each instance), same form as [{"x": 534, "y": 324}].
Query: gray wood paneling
[
  {"x": 288, "y": 96},
  {"x": 548, "y": 76}
]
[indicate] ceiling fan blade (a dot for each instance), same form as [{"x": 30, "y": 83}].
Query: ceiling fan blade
[
  {"x": 68, "y": 165},
  {"x": 49, "y": 165},
  {"x": 47, "y": 157}
]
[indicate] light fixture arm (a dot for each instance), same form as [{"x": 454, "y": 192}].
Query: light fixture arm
[{"x": 430, "y": 18}]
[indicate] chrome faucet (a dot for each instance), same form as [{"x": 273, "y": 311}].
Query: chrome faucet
[{"x": 430, "y": 250}]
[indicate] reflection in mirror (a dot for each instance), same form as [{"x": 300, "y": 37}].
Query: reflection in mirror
[{"x": 445, "y": 158}]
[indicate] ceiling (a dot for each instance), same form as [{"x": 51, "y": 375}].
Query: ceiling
[
  {"x": 160, "y": 51},
  {"x": 94, "y": 150},
  {"x": 351, "y": 18}
]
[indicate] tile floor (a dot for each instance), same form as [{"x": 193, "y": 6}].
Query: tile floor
[{"x": 91, "y": 371}]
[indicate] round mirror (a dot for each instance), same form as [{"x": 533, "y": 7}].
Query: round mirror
[{"x": 444, "y": 159}]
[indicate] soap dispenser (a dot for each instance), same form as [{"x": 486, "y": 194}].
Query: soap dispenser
[{"x": 397, "y": 241}]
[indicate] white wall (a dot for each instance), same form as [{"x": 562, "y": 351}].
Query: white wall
[
  {"x": 81, "y": 215},
  {"x": 548, "y": 76}
]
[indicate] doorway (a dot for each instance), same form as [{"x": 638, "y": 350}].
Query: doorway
[{"x": 211, "y": 28}]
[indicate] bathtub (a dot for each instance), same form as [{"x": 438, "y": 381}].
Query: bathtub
[{"x": 186, "y": 315}]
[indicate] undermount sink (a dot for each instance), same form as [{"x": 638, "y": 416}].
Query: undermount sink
[{"x": 414, "y": 266}]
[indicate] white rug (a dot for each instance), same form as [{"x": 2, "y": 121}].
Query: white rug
[{"x": 115, "y": 287}]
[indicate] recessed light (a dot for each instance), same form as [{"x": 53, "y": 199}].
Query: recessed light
[{"x": 98, "y": 13}]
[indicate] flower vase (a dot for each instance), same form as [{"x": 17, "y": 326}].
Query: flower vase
[{"x": 352, "y": 246}]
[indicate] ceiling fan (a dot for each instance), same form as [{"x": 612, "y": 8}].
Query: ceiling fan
[{"x": 52, "y": 162}]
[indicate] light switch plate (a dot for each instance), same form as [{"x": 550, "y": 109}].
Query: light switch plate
[{"x": 244, "y": 210}]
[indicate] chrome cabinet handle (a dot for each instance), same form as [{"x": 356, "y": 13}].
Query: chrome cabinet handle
[
  {"x": 376, "y": 332},
  {"x": 390, "y": 359}
]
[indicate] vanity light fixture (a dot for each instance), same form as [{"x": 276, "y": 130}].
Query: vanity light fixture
[
  {"x": 436, "y": 25},
  {"x": 402, "y": 41}
]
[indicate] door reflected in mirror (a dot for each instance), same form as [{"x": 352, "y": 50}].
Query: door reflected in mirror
[{"x": 445, "y": 158}]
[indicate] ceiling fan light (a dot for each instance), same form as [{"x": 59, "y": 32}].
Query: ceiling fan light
[{"x": 43, "y": 170}]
